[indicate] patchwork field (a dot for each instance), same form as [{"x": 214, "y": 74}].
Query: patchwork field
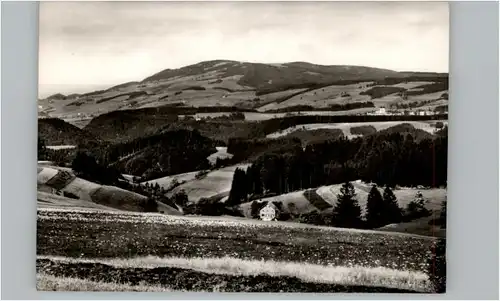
[
  {"x": 154, "y": 252},
  {"x": 323, "y": 97},
  {"x": 427, "y": 126}
]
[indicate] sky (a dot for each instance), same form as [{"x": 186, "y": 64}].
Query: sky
[{"x": 85, "y": 46}]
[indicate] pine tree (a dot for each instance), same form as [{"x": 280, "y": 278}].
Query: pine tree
[
  {"x": 238, "y": 193},
  {"x": 375, "y": 208},
  {"x": 347, "y": 213},
  {"x": 392, "y": 212}
]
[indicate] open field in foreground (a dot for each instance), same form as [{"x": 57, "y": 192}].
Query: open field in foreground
[{"x": 138, "y": 251}]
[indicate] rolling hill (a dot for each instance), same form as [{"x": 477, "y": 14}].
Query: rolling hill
[
  {"x": 253, "y": 86},
  {"x": 80, "y": 193}
]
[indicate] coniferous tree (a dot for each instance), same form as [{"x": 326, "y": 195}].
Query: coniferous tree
[
  {"x": 375, "y": 209},
  {"x": 150, "y": 205},
  {"x": 347, "y": 213},
  {"x": 392, "y": 212},
  {"x": 238, "y": 193}
]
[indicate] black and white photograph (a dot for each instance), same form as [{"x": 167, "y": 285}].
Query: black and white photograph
[{"x": 276, "y": 147}]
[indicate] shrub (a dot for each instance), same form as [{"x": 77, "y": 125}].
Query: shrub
[{"x": 312, "y": 218}]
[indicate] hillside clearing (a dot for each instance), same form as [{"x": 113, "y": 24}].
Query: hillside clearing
[
  {"x": 346, "y": 127},
  {"x": 81, "y": 188},
  {"x": 214, "y": 183},
  {"x": 220, "y": 154}
]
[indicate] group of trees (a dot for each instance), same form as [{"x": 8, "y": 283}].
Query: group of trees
[
  {"x": 158, "y": 155},
  {"x": 381, "y": 209},
  {"x": 87, "y": 167},
  {"x": 386, "y": 159}
]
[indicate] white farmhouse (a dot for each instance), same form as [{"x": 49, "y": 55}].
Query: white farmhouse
[{"x": 268, "y": 213}]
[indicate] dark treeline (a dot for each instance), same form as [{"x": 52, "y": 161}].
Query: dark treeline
[
  {"x": 383, "y": 158},
  {"x": 243, "y": 149},
  {"x": 332, "y": 107},
  {"x": 158, "y": 155}
]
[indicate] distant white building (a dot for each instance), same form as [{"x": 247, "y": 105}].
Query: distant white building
[
  {"x": 268, "y": 213},
  {"x": 379, "y": 111}
]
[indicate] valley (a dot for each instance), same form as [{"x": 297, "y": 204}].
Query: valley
[{"x": 169, "y": 175}]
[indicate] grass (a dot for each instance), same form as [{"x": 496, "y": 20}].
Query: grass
[
  {"x": 226, "y": 254},
  {"x": 45, "y": 174},
  {"x": 313, "y": 197},
  {"x": 115, "y": 234},
  {"x": 45, "y": 282},
  {"x": 118, "y": 198},
  {"x": 82, "y": 188},
  {"x": 342, "y": 275},
  {"x": 49, "y": 200}
]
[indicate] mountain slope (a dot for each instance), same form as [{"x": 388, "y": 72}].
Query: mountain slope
[{"x": 224, "y": 84}]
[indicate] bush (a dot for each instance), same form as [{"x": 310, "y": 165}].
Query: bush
[
  {"x": 415, "y": 210},
  {"x": 437, "y": 266},
  {"x": 312, "y": 218}
]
